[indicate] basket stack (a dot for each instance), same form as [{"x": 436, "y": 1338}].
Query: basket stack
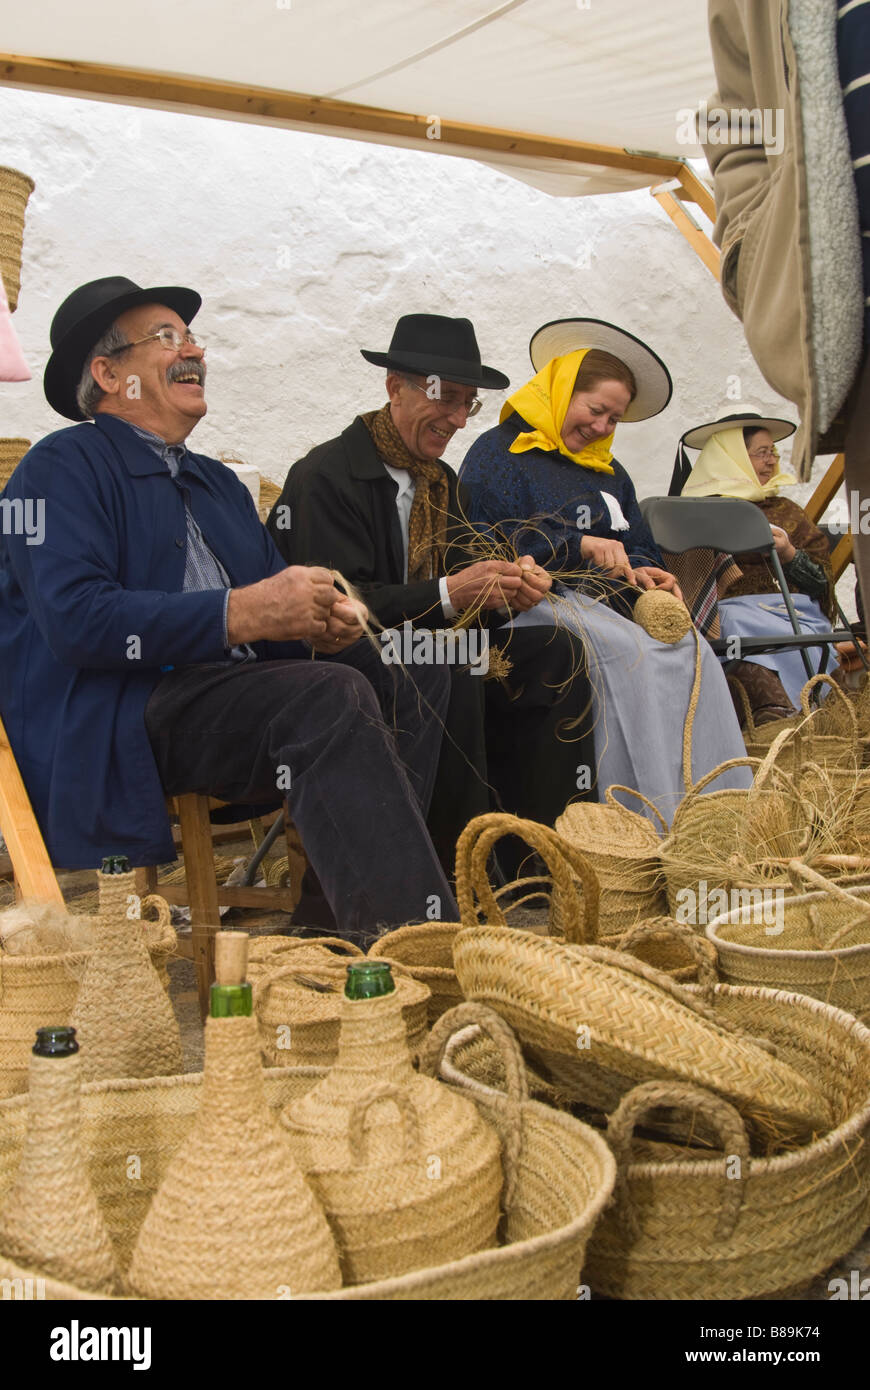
[{"x": 622, "y": 848}]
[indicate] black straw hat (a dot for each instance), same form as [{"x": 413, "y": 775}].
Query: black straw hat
[
  {"x": 698, "y": 435},
  {"x": 432, "y": 345},
  {"x": 82, "y": 319}
]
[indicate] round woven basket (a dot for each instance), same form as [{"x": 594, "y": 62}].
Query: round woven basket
[
  {"x": 554, "y": 1206},
  {"x": 15, "y": 189},
  {"x": 825, "y": 737},
  {"x": 623, "y": 849},
  {"x": 596, "y": 1021},
  {"x": 818, "y": 943},
  {"x": 12, "y": 451},
  {"x": 716, "y": 1228},
  {"x": 298, "y": 988}
]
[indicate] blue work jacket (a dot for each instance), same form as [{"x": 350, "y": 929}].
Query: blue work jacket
[{"x": 92, "y": 611}]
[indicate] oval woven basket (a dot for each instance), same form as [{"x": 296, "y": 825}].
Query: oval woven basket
[
  {"x": 823, "y": 737},
  {"x": 546, "y": 1232},
  {"x": 40, "y": 990},
  {"x": 15, "y": 189},
  {"x": 711, "y": 1228},
  {"x": 595, "y": 1021},
  {"x": 298, "y": 987},
  {"x": 12, "y": 451},
  {"x": 623, "y": 849},
  {"x": 817, "y": 943}
]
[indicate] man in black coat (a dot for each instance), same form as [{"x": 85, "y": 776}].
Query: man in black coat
[{"x": 379, "y": 505}]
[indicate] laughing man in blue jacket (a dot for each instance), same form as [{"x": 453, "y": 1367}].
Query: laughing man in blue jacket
[{"x": 153, "y": 641}]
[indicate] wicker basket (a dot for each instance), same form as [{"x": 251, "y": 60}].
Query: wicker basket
[
  {"x": 12, "y": 451},
  {"x": 820, "y": 944},
  {"x": 15, "y": 189},
  {"x": 699, "y": 1229},
  {"x": 40, "y": 990},
  {"x": 426, "y": 951},
  {"x": 544, "y": 1239},
  {"x": 623, "y": 850},
  {"x": 829, "y": 738}
]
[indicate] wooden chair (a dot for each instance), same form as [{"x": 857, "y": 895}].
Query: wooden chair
[{"x": 31, "y": 867}]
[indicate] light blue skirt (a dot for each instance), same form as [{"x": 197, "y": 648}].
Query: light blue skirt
[
  {"x": 760, "y": 615},
  {"x": 640, "y": 692}
]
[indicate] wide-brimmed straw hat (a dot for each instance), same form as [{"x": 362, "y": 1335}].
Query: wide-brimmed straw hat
[
  {"x": 433, "y": 345},
  {"x": 653, "y": 380},
  {"x": 698, "y": 435},
  {"x": 82, "y": 319}
]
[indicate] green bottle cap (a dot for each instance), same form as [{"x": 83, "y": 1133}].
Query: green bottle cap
[
  {"x": 116, "y": 864},
  {"x": 369, "y": 979},
  {"x": 231, "y": 1001},
  {"x": 55, "y": 1042}
]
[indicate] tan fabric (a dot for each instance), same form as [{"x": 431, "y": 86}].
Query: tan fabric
[{"x": 427, "y": 526}]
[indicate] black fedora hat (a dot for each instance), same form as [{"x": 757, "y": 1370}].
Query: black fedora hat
[
  {"x": 84, "y": 316},
  {"x": 432, "y": 345}
]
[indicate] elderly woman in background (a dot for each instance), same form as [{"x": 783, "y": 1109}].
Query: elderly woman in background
[
  {"x": 544, "y": 482},
  {"x": 739, "y": 458}
]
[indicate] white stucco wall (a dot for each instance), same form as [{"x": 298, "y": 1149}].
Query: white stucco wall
[{"x": 306, "y": 248}]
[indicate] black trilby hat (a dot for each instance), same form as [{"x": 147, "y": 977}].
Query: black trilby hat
[
  {"x": 432, "y": 345},
  {"x": 698, "y": 435},
  {"x": 84, "y": 316}
]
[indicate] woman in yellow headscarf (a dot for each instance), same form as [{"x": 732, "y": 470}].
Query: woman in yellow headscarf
[
  {"x": 739, "y": 458},
  {"x": 545, "y": 480}
]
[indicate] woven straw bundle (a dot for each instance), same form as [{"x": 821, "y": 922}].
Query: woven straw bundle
[
  {"x": 123, "y": 1017},
  {"x": 39, "y": 990},
  {"x": 298, "y": 987},
  {"x": 662, "y": 615},
  {"x": 819, "y": 946},
  {"x": 12, "y": 451},
  {"x": 595, "y": 1021},
  {"x": 15, "y": 189},
  {"x": 710, "y": 1228},
  {"x": 407, "y": 1172},
  {"x": 269, "y": 494},
  {"x": 622, "y": 848}
]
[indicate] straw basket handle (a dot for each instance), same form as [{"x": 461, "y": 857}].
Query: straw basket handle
[
  {"x": 702, "y": 950},
  {"x": 293, "y": 943},
  {"x": 823, "y": 679},
  {"x": 727, "y": 1122},
  {"x": 358, "y": 1134},
  {"x": 161, "y": 933},
  {"x": 632, "y": 791},
  {"x": 766, "y": 766},
  {"x": 801, "y": 874},
  {"x": 432, "y": 1055},
  {"x": 743, "y": 698},
  {"x": 564, "y": 863}
]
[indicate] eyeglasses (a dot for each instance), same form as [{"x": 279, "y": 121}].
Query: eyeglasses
[
  {"x": 764, "y": 455},
  {"x": 168, "y": 338},
  {"x": 448, "y": 404}
]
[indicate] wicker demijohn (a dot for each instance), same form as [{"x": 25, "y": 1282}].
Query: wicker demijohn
[
  {"x": 728, "y": 1226},
  {"x": 15, "y": 189},
  {"x": 408, "y": 1173},
  {"x": 50, "y": 1217},
  {"x": 123, "y": 1017}
]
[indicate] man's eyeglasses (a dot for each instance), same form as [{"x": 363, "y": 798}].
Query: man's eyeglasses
[
  {"x": 764, "y": 455},
  {"x": 168, "y": 338},
  {"x": 451, "y": 402}
]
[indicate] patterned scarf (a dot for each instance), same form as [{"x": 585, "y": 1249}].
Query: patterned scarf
[{"x": 427, "y": 527}]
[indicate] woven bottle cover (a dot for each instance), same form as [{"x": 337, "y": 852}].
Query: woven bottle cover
[
  {"x": 408, "y": 1173},
  {"x": 123, "y": 1017},
  {"x": 50, "y": 1220},
  {"x": 233, "y": 1218}
]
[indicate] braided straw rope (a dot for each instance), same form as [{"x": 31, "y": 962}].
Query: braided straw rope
[
  {"x": 298, "y": 987},
  {"x": 124, "y": 1020},
  {"x": 50, "y": 1216},
  {"x": 248, "y": 1226},
  {"x": 12, "y": 451},
  {"x": 819, "y": 945},
  {"x": 597, "y": 1020},
  {"x": 15, "y": 189},
  {"x": 668, "y": 1236},
  {"x": 377, "y": 1141}
]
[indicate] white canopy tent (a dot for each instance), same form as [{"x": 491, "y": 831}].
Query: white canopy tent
[{"x": 571, "y": 96}]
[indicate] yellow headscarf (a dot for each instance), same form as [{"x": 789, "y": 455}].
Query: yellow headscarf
[
  {"x": 724, "y": 469},
  {"x": 544, "y": 402}
]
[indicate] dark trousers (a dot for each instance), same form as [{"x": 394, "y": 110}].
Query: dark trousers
[{"x": 353, "y": 744}]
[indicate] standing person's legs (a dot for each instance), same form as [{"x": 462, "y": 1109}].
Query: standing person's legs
[
  {"x": 245, "y": 732},
  {"x": 857, "y": 471}
]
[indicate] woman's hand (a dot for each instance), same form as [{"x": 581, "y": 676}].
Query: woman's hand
[
  {"x": 609, "y": 556},
  {"x": 784, "y": 548},
  {"x": 648, "y": 577}
]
